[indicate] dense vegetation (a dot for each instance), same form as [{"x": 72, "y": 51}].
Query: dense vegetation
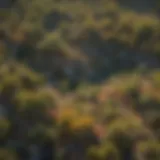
[{"x": 51, "y": 52}]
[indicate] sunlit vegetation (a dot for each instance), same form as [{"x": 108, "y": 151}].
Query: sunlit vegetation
[
  {"x": 105, "y": 151},
  {"x": 48, "y": 49}
]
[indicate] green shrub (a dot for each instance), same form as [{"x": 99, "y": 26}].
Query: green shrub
[
  {"x": 124, "y": 132},
  {"x": 4, "y": 127},
  {"x": 106, "y": 151},
  {"x": 149, "y": 150}
]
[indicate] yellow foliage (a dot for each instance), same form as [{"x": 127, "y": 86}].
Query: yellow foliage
[
  {"x": 67, "y": 115},
  {"x": 74, "y": 119},
  {"x": 82, "y": 123}
]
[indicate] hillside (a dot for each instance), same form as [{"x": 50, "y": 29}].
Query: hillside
[{"x": 79, "y": 80}]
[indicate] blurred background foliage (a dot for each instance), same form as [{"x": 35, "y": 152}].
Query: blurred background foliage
[{"x": 80, "y": 80}]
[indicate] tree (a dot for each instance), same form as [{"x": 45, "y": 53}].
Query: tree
[{"x": 124, "y": 134}]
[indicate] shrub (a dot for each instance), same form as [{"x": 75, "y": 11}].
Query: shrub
[
  {"x": 144, "y": 35},
  {"x": 110, "y": 113},
  {"x": 4, "y": 128},
  {"x": 124, "y": 133},
  {"x": 73, "y": 124},
  {"x": 130, "y": 129},
  {"x": 149, "y": 150},
  {"x": 105, "y": 151},
  {"x": 6, "y": 154}
]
